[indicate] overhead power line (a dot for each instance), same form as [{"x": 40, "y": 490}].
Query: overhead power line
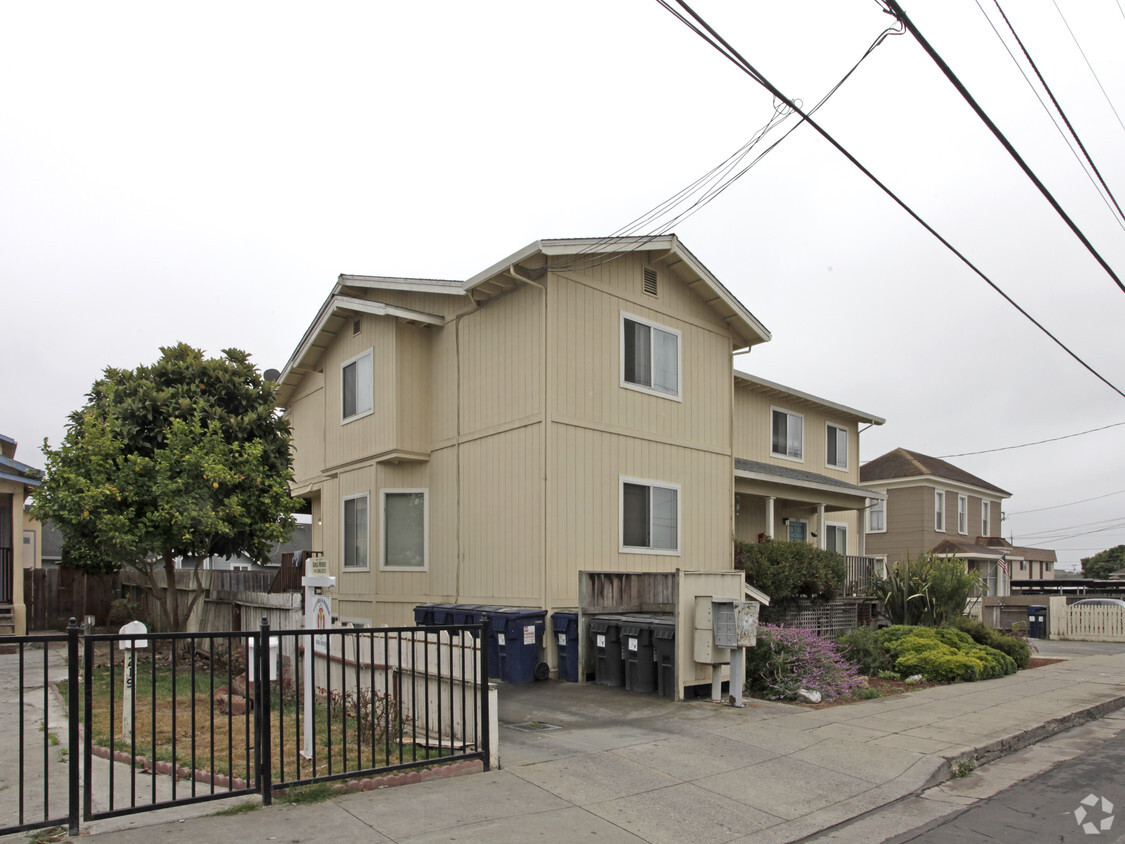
[
  {"x": 901, "y": 15},
  {"x": 1037, "y": 442},
  {"x": 1093, "y": 72},
  {"x": 1107, "y": 196},
  {"x": 708, "y": 34},
  {"x": 1060, "y": 506}
]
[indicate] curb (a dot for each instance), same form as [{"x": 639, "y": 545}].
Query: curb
[{"x": 1010, "y": 744}]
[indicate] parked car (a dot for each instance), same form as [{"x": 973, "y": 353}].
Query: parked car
[{"x": 1099, "y": 602}]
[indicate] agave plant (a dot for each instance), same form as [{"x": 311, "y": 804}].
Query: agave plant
[{"x": 929, "y": 591}]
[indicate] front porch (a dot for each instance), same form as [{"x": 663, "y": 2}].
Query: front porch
[{"x": 782, "y": 504}]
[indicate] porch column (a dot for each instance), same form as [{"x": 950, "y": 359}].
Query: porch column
[
  {"x": 821, "y": 539},
  {"x": 861, "y": 531},
  {"x": 769, "y": 517}
]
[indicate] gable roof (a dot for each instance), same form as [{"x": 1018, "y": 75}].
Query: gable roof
[
  {"x": 775, "y": 390},
  {"x": 901, "y": 463},
  {"x": 348, "y": 295},
  {"x": 12, "y": 469}
]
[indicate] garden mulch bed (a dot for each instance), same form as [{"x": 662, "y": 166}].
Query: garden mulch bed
[{"x": 898, "y": 687}]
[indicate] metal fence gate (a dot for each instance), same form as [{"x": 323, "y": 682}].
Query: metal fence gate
[{"x": 155, "y": 720}]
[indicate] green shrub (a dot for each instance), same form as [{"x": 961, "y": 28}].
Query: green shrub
[
  {"x": 928, "y": 591},
  {"x": 1014, "y": 647},
  {"x": 862, "y": 646},
  {"x": 943, "y": 654},
  {"x": 787, "y": 571}
]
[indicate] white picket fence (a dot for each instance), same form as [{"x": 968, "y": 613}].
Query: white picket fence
[{"x": 1093, "y": 623}]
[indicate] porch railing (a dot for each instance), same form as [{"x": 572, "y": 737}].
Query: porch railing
[{"x": 861, "y": 573}]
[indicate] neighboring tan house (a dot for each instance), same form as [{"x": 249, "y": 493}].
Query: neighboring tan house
[
  {"x": 19, "y": 541},
  {"x": 573, "y": 407},
  {"x": 933, "y": 507}
]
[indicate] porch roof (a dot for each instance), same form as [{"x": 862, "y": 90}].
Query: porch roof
[
  {"x": 964, "y": 548},
  {"x": 754, "y": 470}
]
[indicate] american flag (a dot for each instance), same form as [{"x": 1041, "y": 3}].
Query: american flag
[{"x": 1003, "y": 563}]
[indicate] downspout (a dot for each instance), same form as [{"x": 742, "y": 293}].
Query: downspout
[
  {"x": 457, "y": 445},
  {"x": 513, "y": 271}
]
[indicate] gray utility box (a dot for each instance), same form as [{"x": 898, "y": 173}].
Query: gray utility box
[{"x": 735, "y": 622}]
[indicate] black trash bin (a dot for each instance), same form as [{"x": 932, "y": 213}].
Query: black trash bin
[
  {"x": 565, "y": 627},
  {"x": 1037, "y": 621},
  {"x": 664, "y": 652},
  {"x": 636, "y": 651},
  {"x": 609, "y": 669},
  {"x": 518, "y": 631}
]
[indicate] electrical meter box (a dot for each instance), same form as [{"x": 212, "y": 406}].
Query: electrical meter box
[{"x": 735, "y": 623}]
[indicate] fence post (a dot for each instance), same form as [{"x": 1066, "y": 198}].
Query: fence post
[
  {"x": 264, "y": 740},
  {"x": 485, "y": 714},
  {"x": 73, "y": 756}
]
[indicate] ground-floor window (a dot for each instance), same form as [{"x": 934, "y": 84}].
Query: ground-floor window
[
  {"x": 404, "y": 528},
  {"x": 650, "y": 516}
]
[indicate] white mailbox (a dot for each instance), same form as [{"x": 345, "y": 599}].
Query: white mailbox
[{"x": 735, "y": 623}]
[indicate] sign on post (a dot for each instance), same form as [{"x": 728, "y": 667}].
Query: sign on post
[
  {"x": 133, "y": 628},
  {"x": 318, "y": 616}
]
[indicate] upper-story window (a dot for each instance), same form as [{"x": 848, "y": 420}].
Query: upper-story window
[
  {"x": 985, "y": 521},
  {"x": 650, "y": 357},
  {"x": 939, "y": 510},
  {"x": 877, "y": 515},
  {"x": 356, "y": 387},
  {"x": 650, "y": 516},
  {"x": 787, "y": 438},
  {"x": 837, "y": 447},
  {"x": 962, "y": 514}
]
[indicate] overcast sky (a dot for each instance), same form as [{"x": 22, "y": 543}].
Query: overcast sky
[{"x": 203, "y": 172}]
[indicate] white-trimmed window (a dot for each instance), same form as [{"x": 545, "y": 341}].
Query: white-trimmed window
[
  {"x": 962, "y": 514},
  {"x": 836, "y": 538},
  {"x": 939, "y": 510},
  {"x": 356, "y": 387},
  {"x": 405, "y": 515},
  {"x": 837, "y": 447},
  {"x": 877, "y": 515},
  {"x": 356, "y": 531},
  {"x": 985, "y": 519},
  {"x": 650, "y": 357},
  {"x": 650, "y": 517},
  {"x": 787, "y": 434}
]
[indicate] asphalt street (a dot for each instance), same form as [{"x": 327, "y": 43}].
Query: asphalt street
[{"x": 1077, "y": 799}]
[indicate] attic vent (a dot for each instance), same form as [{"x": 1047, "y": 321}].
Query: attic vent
[
  {"x": 649, "y": 285},
  {"x": 357, "y": 323}
]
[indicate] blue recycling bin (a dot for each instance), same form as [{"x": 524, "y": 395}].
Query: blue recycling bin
[
  {"x": 518, "y": 631},
  {"x": 565, "y": 627},
  {"x": 1037, "y": 621},
  {"x": 424, "y": 615}
]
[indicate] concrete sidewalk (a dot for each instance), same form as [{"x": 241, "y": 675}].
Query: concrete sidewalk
[{"x": 628, "y": 767}]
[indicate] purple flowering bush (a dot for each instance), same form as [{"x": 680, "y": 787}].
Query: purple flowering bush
[{"x": 787, "y": 659}]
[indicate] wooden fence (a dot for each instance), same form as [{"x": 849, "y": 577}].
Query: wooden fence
[
  {"x": 1093, "y": 623},
  {"x": 56, "y": 594}
]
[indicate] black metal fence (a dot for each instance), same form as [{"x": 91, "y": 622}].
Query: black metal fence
[{"x": 158, "y": 720}]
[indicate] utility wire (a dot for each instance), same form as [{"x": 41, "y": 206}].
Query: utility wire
[
  {"x": 898, "y": 12},
  {"x": 1093, "y": 72},
  {"x": 713, "y": 183},
  {"x": 715, "y": 40},
  {"x": 1104, "y": 187},
  {"x": 1060, "y": 506},
  {"x": 1037, "y": 442}
]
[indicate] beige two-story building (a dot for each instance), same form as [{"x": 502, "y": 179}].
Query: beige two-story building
[{"x": 572, "y": 407}]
